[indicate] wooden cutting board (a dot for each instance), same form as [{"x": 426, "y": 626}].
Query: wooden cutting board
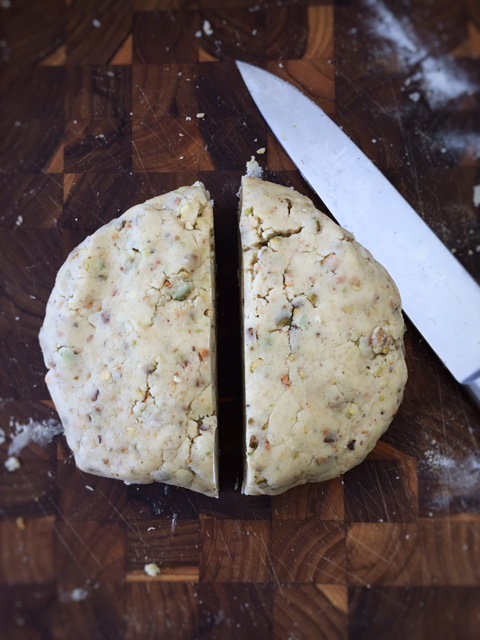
[{"x": 99, "y": 104}]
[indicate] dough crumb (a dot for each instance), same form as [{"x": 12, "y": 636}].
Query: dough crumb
[
  {"x": 254, "y": 170},
  {"x": 79, "y": 594},
  {"x": 207, "y": 28},
  {"x": 152, "y": 569},
  {"x": 12, "y": 464}
]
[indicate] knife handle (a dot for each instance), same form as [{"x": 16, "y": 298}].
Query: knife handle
[{"x": 473, "y": 390}]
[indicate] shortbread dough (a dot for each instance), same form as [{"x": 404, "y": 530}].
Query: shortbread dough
[
  {"x": 324, "y": 364},
  {"x": 129, "y": 341}
]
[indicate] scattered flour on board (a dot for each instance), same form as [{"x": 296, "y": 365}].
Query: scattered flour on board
[
  {"x": 76, "y": 595},
  {"x": 457, "y": 474},
  {"x": 41, "y": 433},
  {"x": 438, "y": 76},
  {"x": 476, "y": 195}
]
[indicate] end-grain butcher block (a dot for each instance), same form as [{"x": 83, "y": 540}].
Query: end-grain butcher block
[
  {"x": 128, "y": 339},
  {"x": 323, "y": 342}
]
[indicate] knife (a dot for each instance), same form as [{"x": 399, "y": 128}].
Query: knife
[{"x": 438, "y": 294}]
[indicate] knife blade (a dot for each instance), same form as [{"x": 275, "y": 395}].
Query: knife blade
[{"x": 438, "y": 294}]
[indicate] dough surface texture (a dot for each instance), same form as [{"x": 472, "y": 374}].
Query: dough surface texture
[
  {"x": 324, "y": 362},
  {"x": 129, "y": 341}
]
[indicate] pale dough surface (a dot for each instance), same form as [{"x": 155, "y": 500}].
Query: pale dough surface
[
  {"x": 129, "y": 341},
  {"x": 324, "y": 362}
]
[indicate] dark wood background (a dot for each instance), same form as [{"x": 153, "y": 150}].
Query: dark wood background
[{"x": 98, "y": 112}]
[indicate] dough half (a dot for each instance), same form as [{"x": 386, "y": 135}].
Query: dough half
[
  {"x": 324, "y": 364},
  {"x": 129, "y": 341}
]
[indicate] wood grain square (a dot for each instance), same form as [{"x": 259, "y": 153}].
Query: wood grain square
[
  {"x": 156, "y": 610},
  {"x": 287, "y": 32},
  {"x": 222, "y": 92},
  {"x": 91, "y": 610},
  {"x": 308, "y": 551},
  {"x": 321, "y": 29},
  {"x": 32, "y": 31},
  {"x": 96, "y": 31},
  {"x": 233, "y": 505},
  {"x": 235, "y": 610},
  {"x": 171, "y": 545},
  {"x": 473, "y": 46},
  {"x": 161, "y": 90},
  {"x": 32, "y": 93},
  {"x": 414, "y": 612},
  {"x": 278, "y": 160},
  {"x": 237, "y": 33},
  {"x": 235, "y": 551},
  {"x": 381, "y": 491},
  {"x": 455, "y": 189},
  {"x": 20, "y": 562},
  {"x": 29, "y": 491},
  {"x": 323, "y": 500},
  {"x": 93, "y": 199},
  {"x": 31, "y": 267},
  {"x": 24, "y": 610},
  {"x": 31, "y": 200},
  {"x": 164, "y": 5},
  {"x": 314, "y": 78},
  {"x": 29, "y": 259},
  {"x": 450, "y": 612},
  {"x": 232, "y": 142},
  {"x": 95, "y": 552},
  {"x": 84, "y": 496},
  {"x": 452, "y": 552},
  {"x": 98, "y": 92},
  {"x": 165, "y": 36},
  {"x": 29, "y": 147},
  {"x": 389, "y": 613},
  {"x": 164, "y": 145},
  {"x": 16, "y": 353},
  {"x": 385, "y": 554},
  {"x": 98, "y": 145},
  {"x": 160, "y": 501},
  {"x": 310, "y": 611}
]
